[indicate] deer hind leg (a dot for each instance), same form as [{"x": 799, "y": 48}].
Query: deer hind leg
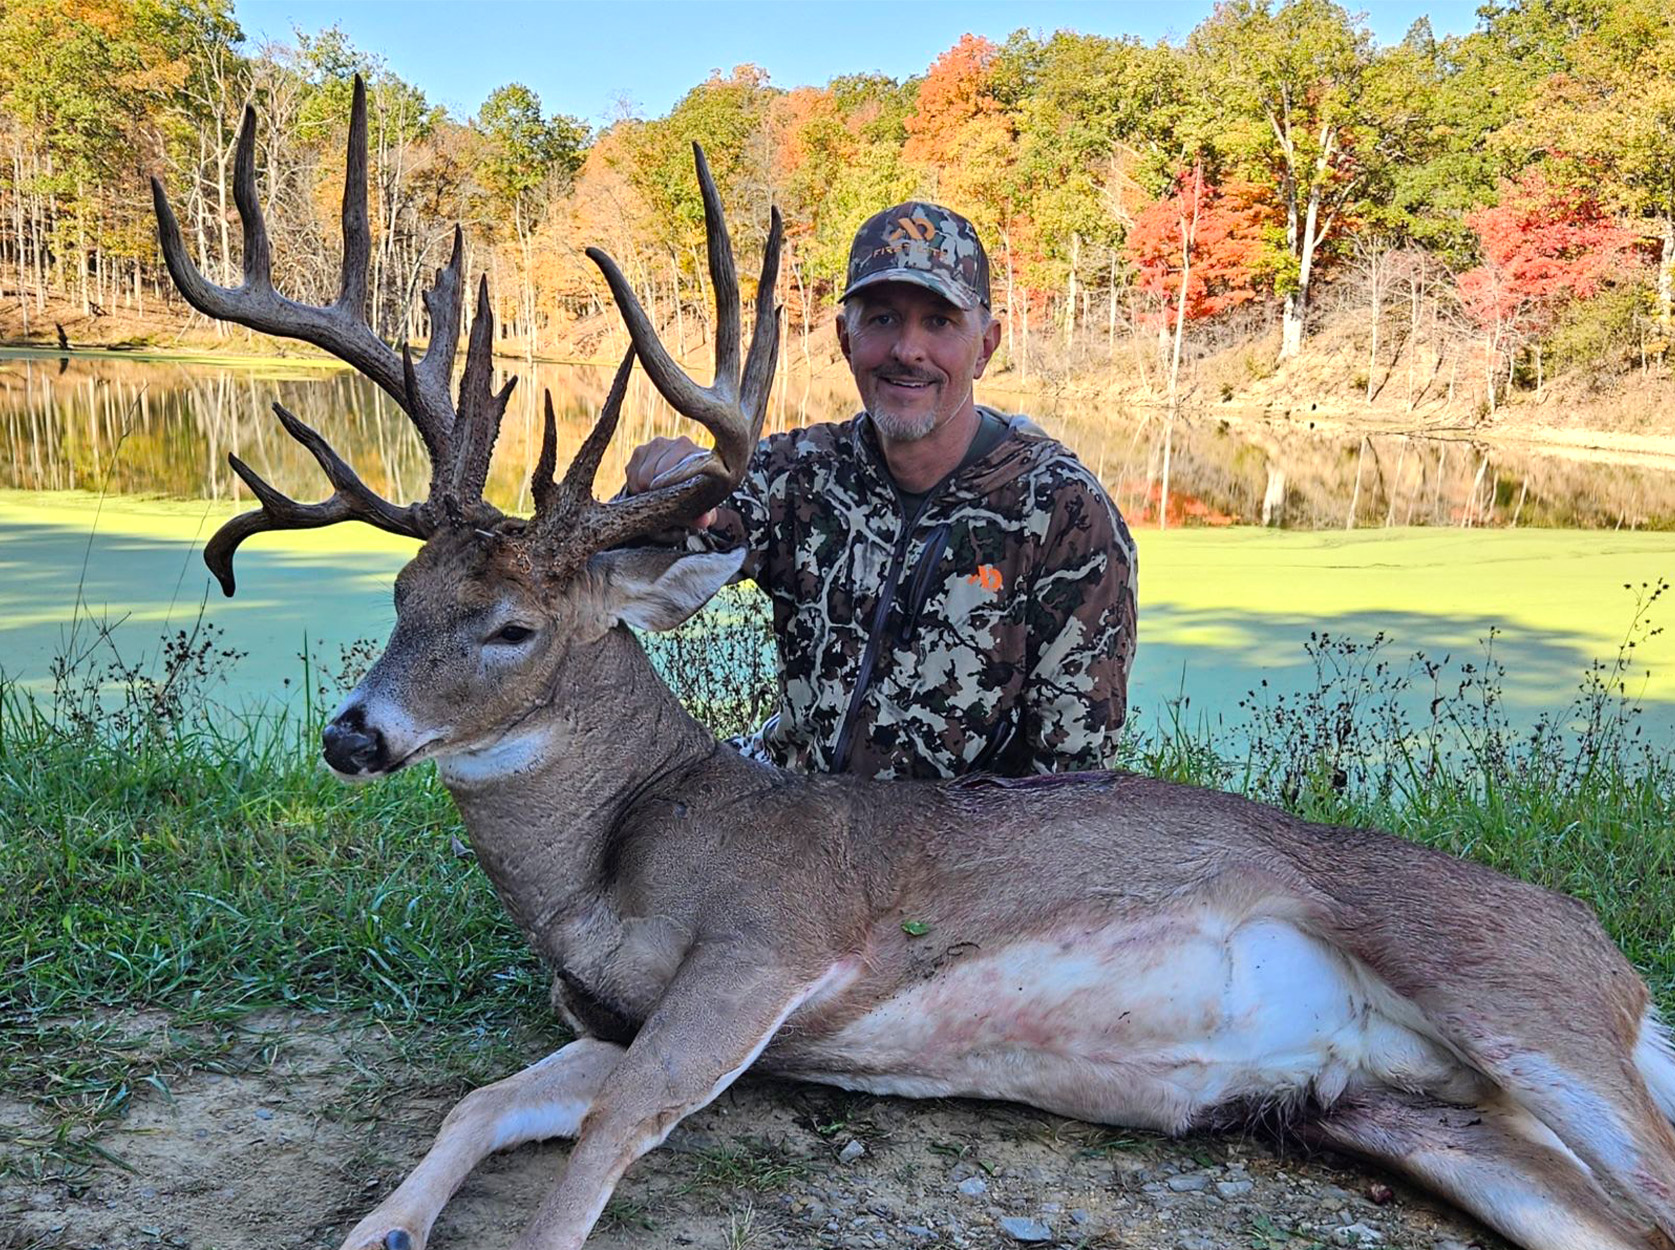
[
  {"x": 1607, "y": 1102},
  {"x": 1496, "y": 1161},
  {"x": 547, "y": 1099}
]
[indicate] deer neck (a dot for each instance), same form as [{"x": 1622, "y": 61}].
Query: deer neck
[{"x": 543, "y": 803}]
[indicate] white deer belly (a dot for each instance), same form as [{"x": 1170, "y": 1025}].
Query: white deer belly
[{"x": 1150, "y": 1025}]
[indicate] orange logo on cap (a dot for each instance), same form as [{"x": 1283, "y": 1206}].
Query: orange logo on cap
[
  {"x": 987, "y": 576},
  {"x": 916, "y": 228}
]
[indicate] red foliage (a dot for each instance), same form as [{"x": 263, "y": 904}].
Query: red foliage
[
  {"x": 1543, "y": 245},
  {"x": 1221, "y": 227}
]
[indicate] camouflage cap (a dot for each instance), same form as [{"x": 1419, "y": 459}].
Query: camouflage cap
[{"x": 925, "y": 244}]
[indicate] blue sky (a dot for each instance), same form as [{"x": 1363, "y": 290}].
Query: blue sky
[{"x": 583, "y": 57}]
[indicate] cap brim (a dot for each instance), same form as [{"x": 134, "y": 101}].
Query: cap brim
[{"x": 957, "y": 295}]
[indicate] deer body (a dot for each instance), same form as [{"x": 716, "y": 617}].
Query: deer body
[
  {"x": 1151, "y": 955},
  {"x": 1105, "y": 946}
]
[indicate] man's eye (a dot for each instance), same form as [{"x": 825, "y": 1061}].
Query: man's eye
[{"x": 512, "y": 634}]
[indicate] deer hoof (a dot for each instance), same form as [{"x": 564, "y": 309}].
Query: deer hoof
[{"x": 398, "y": 1239}]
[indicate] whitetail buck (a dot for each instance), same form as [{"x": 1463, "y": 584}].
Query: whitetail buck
[{"x": 1104, "y": 946}]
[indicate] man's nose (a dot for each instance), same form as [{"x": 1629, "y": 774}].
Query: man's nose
[{"x": 909, "y": 346}]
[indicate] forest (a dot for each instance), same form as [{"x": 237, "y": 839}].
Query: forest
[{"x": 1498, "y": 205}]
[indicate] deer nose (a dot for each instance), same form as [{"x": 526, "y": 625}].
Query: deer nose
[{"x": 351, "y": 747}]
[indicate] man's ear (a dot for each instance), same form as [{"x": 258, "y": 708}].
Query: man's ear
[
  {"x": 843, "y": 331},
  {"x": 655, "y": 588},
  {"x": 991, "y": 343}
]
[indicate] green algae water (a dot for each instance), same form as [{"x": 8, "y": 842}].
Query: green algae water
[{"x": 1223, "y": 610}]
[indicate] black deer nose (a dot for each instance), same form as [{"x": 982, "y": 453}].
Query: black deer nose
[{"x": 351, "y": 747}]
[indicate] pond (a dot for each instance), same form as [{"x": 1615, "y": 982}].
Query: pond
[{"x": 114, "y": 472}]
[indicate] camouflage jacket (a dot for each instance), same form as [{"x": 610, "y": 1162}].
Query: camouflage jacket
[{"x": 992, "y": 631}]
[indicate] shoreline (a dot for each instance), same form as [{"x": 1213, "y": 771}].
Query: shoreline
[{"x": 1592, "y": 433}]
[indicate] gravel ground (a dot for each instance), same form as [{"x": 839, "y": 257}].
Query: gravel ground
[{"x": 292, "y": 1154}]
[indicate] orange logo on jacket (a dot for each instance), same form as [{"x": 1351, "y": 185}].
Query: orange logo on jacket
[{"x": 987, "y": 576}]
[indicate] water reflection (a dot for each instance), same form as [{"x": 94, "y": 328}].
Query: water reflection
[{"x": 135, "y": 427}]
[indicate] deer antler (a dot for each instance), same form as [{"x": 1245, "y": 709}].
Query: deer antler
[
  {"x": 459, "y": 442},
  {"x": 567, "y": 517}
]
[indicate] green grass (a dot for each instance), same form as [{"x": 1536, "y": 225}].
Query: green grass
[{"x": 157, "y": 858}]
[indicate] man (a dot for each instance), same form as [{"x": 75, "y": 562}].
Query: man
[{"x": 953, "y": 591}]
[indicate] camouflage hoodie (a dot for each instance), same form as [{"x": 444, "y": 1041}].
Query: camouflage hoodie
[{"x": 992, "y": 631}]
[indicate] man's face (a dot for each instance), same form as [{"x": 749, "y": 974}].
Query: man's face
[{"x": 914, "y": 356}]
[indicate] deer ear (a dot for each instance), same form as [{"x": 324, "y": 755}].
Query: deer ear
[{"x": 653, "y": 588}]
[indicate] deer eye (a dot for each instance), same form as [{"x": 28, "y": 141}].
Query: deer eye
[{"x": 512, "y": 634}]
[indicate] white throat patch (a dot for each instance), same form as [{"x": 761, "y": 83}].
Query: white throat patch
[{"x": 521, "y": 751}]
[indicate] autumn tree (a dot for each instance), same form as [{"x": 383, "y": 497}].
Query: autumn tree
[
  {"x": 524, "y": 160},
  {"x": 1544, "y": 244},
  {"x": 1292, "y": 81},
  {"x": 1095, "y": 121},
  {"x": 1607, "y": 119},
  {"x": 1212, "y": 238}
]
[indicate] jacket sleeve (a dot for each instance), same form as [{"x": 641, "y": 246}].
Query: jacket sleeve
[{"x": 1082, "y": 618}]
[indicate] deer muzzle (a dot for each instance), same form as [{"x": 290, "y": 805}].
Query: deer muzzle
[{"x": 352, "y": 747}]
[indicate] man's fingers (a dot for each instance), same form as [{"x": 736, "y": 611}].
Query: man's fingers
[
  {"x": 659, "y": 461},
  {"x": 679, "y": 469}
]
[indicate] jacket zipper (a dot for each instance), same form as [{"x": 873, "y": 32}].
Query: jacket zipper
[
  {"x": 875, "y": 636},
  {"x": 881, "y": 614},
  {"x": 919, "y": 587}
]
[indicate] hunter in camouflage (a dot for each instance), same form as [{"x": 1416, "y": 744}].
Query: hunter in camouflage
[
  {"x": 991, "y": 631},
  {"x": 953, "y": 592}
]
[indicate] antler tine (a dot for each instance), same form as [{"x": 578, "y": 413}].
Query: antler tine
[
  {"x": 557, "y": 503},
  {"x": 442, "y": 304},
  {"x": 578, "y": 478},
  {"x": 351, "y": 500},
  {"x": 724, "y": 277},
  {"x": 258, "y": 261},
  {"x": 542, "y": 488},
  {"x": 471, "y": 445},
  {"x": 764, "y": 336}
]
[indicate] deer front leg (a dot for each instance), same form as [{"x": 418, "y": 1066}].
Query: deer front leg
[
  {"x": 546, "y": 1099},
  {"x": 719, "y": 1013}
]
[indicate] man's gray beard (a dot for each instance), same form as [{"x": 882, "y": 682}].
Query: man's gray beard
[{"x": 903, "y": 429}]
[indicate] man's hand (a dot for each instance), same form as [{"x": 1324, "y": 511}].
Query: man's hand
[{"x": 663, "y": 461}]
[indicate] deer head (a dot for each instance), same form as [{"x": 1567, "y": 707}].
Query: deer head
[{"x": 493, "y": 609}]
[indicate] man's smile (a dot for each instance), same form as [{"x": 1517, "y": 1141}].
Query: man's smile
[{"x": 908, "y": 384}]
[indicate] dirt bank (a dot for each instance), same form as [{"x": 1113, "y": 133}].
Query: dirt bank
[{"x": 292, "y": 1152}]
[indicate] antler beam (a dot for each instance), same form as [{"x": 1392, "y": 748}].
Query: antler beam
[{"x": 460, "y": 443}]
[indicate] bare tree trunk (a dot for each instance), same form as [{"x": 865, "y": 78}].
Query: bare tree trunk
[
  {"x": 808, "y": 361},
  {"x": 1189, "y": 236},
  {"x": 680, "y": 314},
  {"x": 1666, "y": 279},
  {"x": 81, "y": 245},
  {"x": 1023, "y": 360},
  {"x": 1377, "y": 291},
  {"x": 1070, "y": 304},
  {"x": 1111, "y": 314},
  {"x": 1011, "y": 305}
]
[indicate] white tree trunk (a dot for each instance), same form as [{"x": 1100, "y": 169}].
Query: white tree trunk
[{"x": 1666, "y": 279}]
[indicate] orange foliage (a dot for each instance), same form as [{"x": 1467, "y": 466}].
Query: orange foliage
[{"x": 955, "y": 93}]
